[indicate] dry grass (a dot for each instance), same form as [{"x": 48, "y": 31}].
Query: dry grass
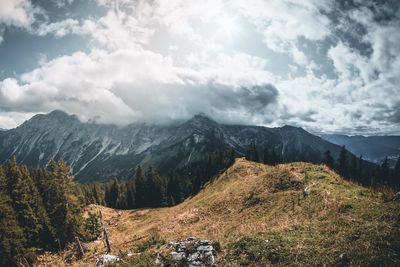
[{"x": 253, "y": 200}]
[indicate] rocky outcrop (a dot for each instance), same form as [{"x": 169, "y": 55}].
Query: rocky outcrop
[{"x": 191, "y": 252}]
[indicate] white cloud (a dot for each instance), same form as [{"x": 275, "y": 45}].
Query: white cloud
[
  {"x": 17, "y": 12},
  {"x": 166, "y": 60}
]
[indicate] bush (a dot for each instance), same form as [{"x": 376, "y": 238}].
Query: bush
[{"x": 92, "y": 227}]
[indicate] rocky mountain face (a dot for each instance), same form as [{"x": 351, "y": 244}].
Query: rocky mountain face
[
  {"x": 372, "y": 148},
  {"x": 100, "y": 152}
]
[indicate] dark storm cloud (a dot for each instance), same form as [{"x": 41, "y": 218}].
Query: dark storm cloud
[{"x": 253, "y": 99}]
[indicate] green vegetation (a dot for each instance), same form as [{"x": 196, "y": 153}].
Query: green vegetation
[
  {"x": 39, "y": 210},
  {"x": 151, "y": 189}
]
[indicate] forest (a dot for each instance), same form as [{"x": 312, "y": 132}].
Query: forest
[{"x": 41, "y": 209}]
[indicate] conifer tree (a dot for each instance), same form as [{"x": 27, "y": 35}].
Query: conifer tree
[
  {"x": 274, "y": 157},
  {"x": 385, "y": 171},
  {"x": 12, "y": 240},
  {"x": 396, "y": 173},
  {"x": 112, "y": 194},
  {"x": 360, "y": 169},
  {"x": 141, "y": 187},
  {"x": 342, "y": 162},
  {"x": 28, "y": 204},
  {"x": 328, "y": 159},
  {"x": 65, "y": 202},
  {"x": 156, "y": 194},
  {"x": 354, "y": 168},
  {"x": 266, "y": 156}
]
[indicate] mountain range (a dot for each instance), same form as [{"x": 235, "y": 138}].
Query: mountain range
[
  {"x": 372, "y": 148},
  {"x": 100, "y": 152}
]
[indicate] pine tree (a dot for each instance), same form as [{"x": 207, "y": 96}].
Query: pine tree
[
  {"x": 274, "y": 157},
  {"x": 396, "y": 173},
  {"x": 353, "y": 168},
  {"x": 92, "y": 226},
  {"x": 328, "y": 159},
  {"x": 360, "y": 169},
  {"x": 156, "y": 195},
  {"x": 141, "y": 187},
  {"x": 342, "y": 162},
  {"x": 385, "y": 171},
  {"x": 65, "y": 203},
  {"x": 112, "y": 194},
  {"x": 266, "y": 156},
  {"x": 131, "y": 194},
  {"x": 12, "y": 240},
  {"x": 28, "y": 204}
]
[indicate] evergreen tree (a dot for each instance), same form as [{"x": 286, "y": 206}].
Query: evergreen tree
[
  {"x": 156, "y": 195},
  {"x": 65, "y": 203},
  {"x": 266, "y": 156},
  {"x": 28, "y": 204},
  {"x": 385, "y": 171},
  {"x": 360, "y": 169},
  {"x": 354, "y": 168},
  {"x": 112, "y": 192},
  {"x": 396, "y": 173},
  {"x": 12, "y": 240},
  {"x": 92, "y": 226},
  {"x": 328, "y": 159},
  {"x": 232, "y": 156},
  {"x": 141, "y": 188},
  {"x": 252, "y": 153},
  {"x": 274, "y": 157},
  {"x": 131, "y": 194},
  {"x": 342, "y": 162}
]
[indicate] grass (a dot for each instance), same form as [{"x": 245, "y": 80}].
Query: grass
[{"x": 261, "y": 216}]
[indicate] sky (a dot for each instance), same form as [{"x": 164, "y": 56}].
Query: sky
[{"x": 327, "y": 66}]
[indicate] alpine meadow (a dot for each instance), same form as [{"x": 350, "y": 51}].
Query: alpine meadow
[{"x": 196, "y": 133}]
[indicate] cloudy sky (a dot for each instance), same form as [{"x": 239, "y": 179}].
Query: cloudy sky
[{"x": 327, "y": 66}]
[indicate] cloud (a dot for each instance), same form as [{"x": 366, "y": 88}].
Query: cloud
[
  {"x": 323, "y": 65},
  {"x": 126, "y": 86},
  {"x": 17, "y": 12}
]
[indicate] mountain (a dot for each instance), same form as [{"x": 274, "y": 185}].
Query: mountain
[
  {"x": 372, "y": 148},
  {"x": 100, "y": 152},
  {"x": 296, "y": 214}
]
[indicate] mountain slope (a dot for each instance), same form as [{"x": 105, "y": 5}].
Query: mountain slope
[
  {"x": 99, "y": 152},
  {"x": 295, "y": 214},
  {"x": 372, "y": 148}
]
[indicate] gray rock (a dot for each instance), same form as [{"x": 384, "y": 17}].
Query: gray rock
[
  {"x": 107, "y": 258},
  {"x": 191, "y": 252}
]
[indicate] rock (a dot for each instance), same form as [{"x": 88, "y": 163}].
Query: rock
[
  {"x": 107, "y": 258},
  {"x": 178, "y": 256},
  {"x": 191, "y": 252}
]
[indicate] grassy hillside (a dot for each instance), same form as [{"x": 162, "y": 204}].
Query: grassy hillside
[{"x": 296, "y": 214}]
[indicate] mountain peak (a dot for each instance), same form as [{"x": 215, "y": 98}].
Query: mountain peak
[
  {"x": 58, "y": 116},
  {"x": 201, "y": 119}
]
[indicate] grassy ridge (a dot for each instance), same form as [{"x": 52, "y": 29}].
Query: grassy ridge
[{"x": 296, "y": 214}]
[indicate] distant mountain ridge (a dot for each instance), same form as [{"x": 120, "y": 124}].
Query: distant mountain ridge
[
  {"x": 100, "y": 152},
  {"x": 372, "y": 148}
]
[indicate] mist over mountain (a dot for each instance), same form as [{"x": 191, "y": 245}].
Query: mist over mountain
[{"x": 99, "y": 152}]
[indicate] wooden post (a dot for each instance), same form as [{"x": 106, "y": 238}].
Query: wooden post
[
  {"x": 79, "y": 245},
  {"x": 105, "y": 233}
]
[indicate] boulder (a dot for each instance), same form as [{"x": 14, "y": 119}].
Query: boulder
[
  {"x": 106, "y": 259},
  {"x": 191, "y": 252}
]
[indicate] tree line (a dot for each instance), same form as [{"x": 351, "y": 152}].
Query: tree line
[
  {"x": 347, "y": 165},
  {"x": 355, "y": 169},
  {"x": 149, "y": 188},
  {"x": 40, "y": 210}
]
